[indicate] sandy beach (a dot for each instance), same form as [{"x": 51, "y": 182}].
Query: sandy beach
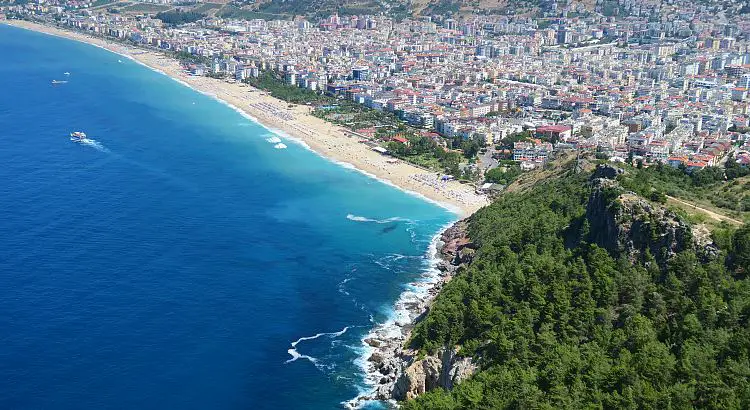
[{"x": 326, "y": 139}]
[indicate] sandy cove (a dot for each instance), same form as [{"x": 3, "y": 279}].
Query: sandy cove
[{"x": 326, "y": 139}]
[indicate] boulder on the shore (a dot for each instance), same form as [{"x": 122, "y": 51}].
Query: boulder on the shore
[
  {"x": 376, "y": 358},
  {"x": 372, "y": 342}
]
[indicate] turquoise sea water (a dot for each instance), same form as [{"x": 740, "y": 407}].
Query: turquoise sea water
[{"x": 171, "y": 264}]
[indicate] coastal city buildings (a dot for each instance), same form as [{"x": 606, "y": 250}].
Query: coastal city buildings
[{"x": 658, "y": 81}]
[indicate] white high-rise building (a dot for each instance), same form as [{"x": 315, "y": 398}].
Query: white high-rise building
[{"x": 744, "y": 81}]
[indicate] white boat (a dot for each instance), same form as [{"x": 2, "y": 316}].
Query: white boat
[
  {"x": 59, "y": 82},
  {"x": 66, "y": 73},
  {"x": 78, "y": 136}
]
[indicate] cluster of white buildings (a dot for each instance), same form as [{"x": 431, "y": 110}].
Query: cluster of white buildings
[{"x": 654, "y": 82}]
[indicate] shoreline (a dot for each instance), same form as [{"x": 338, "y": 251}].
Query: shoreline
[
  {"x": 386, "y": 356},
  {"x": 296, "y": 124},
  {"x": 415, "y": 299}
]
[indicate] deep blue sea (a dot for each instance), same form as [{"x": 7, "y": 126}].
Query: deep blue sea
[{"x": 171, "y": 264}]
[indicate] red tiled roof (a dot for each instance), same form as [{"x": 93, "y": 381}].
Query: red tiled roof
[{"x": 554, "y": 128}]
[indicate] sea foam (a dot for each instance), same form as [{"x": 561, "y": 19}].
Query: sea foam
[
  {"x": 400, "y": 315},
  {"x": 296, "y": 355},
  {"x": 357, "y": 218}
]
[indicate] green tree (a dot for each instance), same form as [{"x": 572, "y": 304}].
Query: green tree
[
  {"x": 741, "y": 249},
  {"x": 561, "y": 322}
]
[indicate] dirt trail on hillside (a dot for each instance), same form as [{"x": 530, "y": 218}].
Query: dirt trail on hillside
[{"x": 712, "y": 214}]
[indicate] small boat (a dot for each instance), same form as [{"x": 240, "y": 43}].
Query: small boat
[
  {"x": 59, "y": 82},
  {"x": 78, "y": 136},
  {"x": 66, "y": 73}
]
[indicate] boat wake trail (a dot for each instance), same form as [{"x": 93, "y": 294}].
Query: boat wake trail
[
  {"x": 94, "y": 144},
  {"x": 148, "y": 168},
  {"x": 356, "y": 218},
  {"x": 297, "y": 355}
]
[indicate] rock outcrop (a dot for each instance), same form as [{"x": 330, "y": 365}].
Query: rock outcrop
[
  {"x": 445, "y": 370},
  {"x": 626, "y": 224}
]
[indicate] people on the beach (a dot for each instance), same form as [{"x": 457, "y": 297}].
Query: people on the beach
[{"x": 321, "y": 136}]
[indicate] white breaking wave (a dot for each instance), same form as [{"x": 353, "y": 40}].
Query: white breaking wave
[
  {"x": 274, "y": 140},
  {"x": 296, "y": 355},
  {"x": 398, "y": 316},
  {"x": 280, "y": 146},
  {"x": 379, "y": 221}
]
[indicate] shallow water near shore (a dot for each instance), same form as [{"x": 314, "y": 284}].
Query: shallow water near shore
[{"x": 181, "y": 260}]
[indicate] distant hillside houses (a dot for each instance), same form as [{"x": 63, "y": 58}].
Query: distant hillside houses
[{"x": 657, "y": 89}]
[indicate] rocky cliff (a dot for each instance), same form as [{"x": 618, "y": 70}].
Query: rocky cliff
[
  {"x": 445, "y": 368},
  {"x": 627, "y": 224}
]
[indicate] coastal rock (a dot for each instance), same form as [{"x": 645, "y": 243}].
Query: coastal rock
[
  {"x": 455, "y": 369},
  {"x": 386, "y": 370},
  {"x": 461, "y": 370},
  {"x": 420, "y": 377},
  {"x": 373, "y": 342},
  {"x": 607, "y": 171},
  {"x": 393, "y": 370},
  {"x": 444, "y": 370},
  {"x": 376, "y": 358},
  {"x": 457, "y": 247},
  {"x": 464, "y": 255}
]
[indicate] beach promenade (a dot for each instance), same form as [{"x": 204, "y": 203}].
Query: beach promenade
[{"x": 325, "y": 138}]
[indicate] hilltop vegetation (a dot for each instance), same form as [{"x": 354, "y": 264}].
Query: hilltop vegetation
[
  {"x": 397, "y": 9},
  {"x": 177, "y": 17},
  {"x": 319, "y": 8},
  {"x": 726, "y": 187},
  {"x": 581, "y": 295}
]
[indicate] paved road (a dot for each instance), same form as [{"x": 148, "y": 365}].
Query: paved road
[{"x": 486, "y": 161}]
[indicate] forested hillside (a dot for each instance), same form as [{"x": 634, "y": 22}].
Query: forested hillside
[
  {"x": 560, "y": 315},
  {"x": 325, "y": 8},
  {"x": 397, "y": 9}
]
